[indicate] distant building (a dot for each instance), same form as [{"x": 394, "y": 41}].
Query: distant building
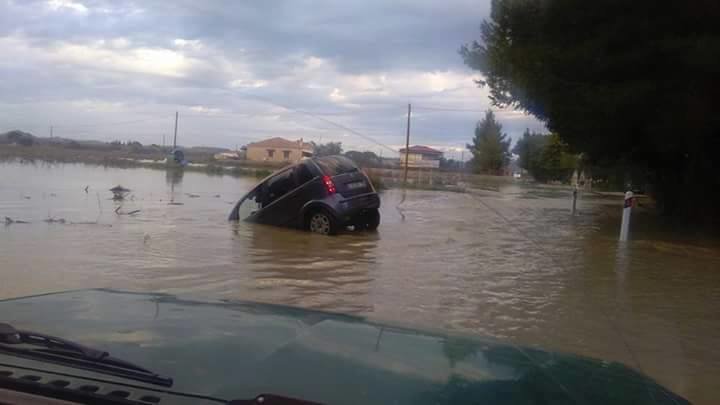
[
  {"x": 421, "y": 156},
  {"x": 279, "y": 150}
]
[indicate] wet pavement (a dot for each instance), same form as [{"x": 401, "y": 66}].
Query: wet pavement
[{"x": 510, "y": 263}]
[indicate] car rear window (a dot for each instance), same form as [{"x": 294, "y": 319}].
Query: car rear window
[{"x": 334, "y": 165}]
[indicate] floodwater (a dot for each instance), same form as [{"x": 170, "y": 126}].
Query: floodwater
[{"x": 511, "y": 264}]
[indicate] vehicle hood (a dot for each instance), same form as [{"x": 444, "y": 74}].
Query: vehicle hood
[{"x": 241, "y": 349}]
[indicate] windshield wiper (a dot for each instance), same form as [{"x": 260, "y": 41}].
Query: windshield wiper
[{"x": 64, "y": 352}]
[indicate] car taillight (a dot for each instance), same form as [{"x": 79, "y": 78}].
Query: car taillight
[{"x": 329, "y": 185}]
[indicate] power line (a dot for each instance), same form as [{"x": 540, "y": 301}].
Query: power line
[
  {"x": 449, "y": 109},
  {"x": 525, "y": 235},
  {"x": 327, "y": 121}
]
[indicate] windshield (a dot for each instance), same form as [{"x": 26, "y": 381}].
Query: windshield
[
  {"x": 416, "y": 202},
  {"x": 334, "y": 165}
]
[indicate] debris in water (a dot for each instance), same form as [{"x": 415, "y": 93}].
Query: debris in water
[
  {"x": 192, "y": 195},
  {"x": 146, "y": 238},
  {"x": 119, "y": 189},
  {"x": 86, "y": 189},
  {"x": 217, "y": 196},
  {"x": 175, "y": 203},
  {"x": 53, "y": 195},
  {"x": 119, "y": 192},
  {"x": 51, "y": 220},
  {"x": 133, "y": 212},
  {"x": 9, "y": 221},
  {"x": 27, "y": 197},
  {"x": 90, "y": 223}
]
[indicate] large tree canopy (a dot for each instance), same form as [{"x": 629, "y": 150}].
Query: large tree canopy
[{"x": 631, "y": 81}]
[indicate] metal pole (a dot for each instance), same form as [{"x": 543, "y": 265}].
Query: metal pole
[
  {"x": 175, "y": 136},
  {"x": 574, "y": 199},
  {"x": 627, "y": 210},
  {"x": 407, "y": 145},
  {"x": 51, "y": 131}
]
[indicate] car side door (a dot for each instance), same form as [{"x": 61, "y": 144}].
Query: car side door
[
  {"x": 247, "y": 207},
  {"x": 289, "y": 193},
  {"x": 275, "y": 200}
]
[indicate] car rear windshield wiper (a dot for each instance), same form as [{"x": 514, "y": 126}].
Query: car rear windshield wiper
[{"x": 64, "y": 352}]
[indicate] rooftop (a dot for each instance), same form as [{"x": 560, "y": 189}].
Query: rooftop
[
  {"x": 280, "y": 143},
  {"x": 423, "y": 150}
]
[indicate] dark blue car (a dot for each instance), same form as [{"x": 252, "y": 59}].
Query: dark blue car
[{"x": 322, "y": 195}]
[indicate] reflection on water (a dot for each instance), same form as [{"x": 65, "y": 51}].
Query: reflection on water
[
  {"x": 512, "y": 264},
  {"x": 174, "y": 175}
]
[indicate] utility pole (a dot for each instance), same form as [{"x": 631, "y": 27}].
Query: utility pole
[
  {"x": 462, "y": 164},
  {"x": 51, "y": 131},
  {"x": 175, "y": 136},
  {"x": 163, "y": 144},
  {"x": 407, "y": 146}
]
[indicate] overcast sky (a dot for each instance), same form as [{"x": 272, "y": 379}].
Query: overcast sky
[{"x": 240, "y": 71}]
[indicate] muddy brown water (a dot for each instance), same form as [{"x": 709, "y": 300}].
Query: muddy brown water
[{"x": 511, "y": 264}]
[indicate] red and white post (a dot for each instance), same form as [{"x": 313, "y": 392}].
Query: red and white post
[{"x": 627, "y": 210}]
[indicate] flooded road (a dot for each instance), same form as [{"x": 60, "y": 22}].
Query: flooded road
[{"x": 512, "y": 264}]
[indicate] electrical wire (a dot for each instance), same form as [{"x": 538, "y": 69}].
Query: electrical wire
[
  {"x": 419, "y": 107},
  {"x": 609, "y": 319},
  {"x": 317, "y": 117}
]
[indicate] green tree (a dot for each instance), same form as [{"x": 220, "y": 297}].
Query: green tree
[
  {"x": 556, "y": 163},
  {"x": 490, "y": 148},
  {"x": 545, "y": 157},
  {"x": 450, "y": 164},
  {"x": 327, "y": 149},
  {"x": 528, "y": 148},
  {"x": 20, "y": 138},
  {"x": 619, "y": 81},
  {"x": 364, "y": 159}
]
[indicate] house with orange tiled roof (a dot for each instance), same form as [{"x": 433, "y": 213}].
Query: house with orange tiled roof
[
  {"x": 279, "y": 150},
  {"x": 421, "y": 156}
]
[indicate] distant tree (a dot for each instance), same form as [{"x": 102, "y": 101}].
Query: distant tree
[
  {"x": 557, "y": 163},
  {"x": 450, "y": 164},
  {"x": 134, "y": 146},
  {"x": 490, "y": 146},
  {"x": 364, "y": 159},
  {"x": 528, "y": 148},
  {"x": 545, "y": 157},
  {"x": 20, "y": 138},
  {"x": 327, "y": 149}
]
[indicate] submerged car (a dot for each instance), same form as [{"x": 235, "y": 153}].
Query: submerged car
[
  {"x": 113, "y": 347},
  {"x": 322, "y": 195}
]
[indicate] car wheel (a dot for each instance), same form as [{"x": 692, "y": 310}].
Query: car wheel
[
  {"x": 372, "y": 220},
  {"x": 369, "y": 220},
  {"x": 322, "y": 222}
]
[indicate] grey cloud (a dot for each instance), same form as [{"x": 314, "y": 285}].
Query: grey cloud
[{"x": 255, "y": 41}]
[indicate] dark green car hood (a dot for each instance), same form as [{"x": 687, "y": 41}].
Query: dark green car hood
[{"x": 240, "y": 349}]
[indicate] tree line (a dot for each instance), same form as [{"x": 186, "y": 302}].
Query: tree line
[{"x": 544, "y": 156}]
